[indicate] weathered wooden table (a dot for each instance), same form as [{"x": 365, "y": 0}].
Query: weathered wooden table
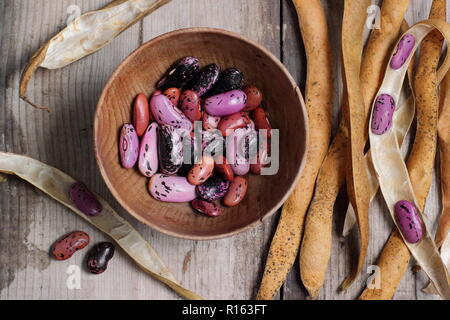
[{"x": 30, "y": 222}]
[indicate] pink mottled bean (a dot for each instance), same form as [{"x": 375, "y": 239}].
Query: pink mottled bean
[
  {"x": 129, "y": 146},
  {"x": 403, "y": 51},
  {"x": 408, "y": 221},
  {"x": 382, "y": 114}
]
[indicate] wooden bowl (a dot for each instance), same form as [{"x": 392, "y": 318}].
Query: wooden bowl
[{"x": 140, "y": 72}]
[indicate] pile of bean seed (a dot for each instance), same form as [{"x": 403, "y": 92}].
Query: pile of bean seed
[{"x": 162, "y": 141}]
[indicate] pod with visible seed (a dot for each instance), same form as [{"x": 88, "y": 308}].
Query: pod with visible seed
[
  {"x": 190, "y": 105},
  {"x": 148, "y": 154},
  {"x": 254, "y": 98},
  {"x": 214, "y": 188},
  {"x": 170, "y": 149},
  {"x": 165, "y": 113},
  {"x": 225, "y": 103},
  {"x": 229, "y": 123},
  {"x": 65, "y": 247},
  {"x": 206, "y": 207},
  {"x": 173, "y": 94},
  {"x": 99, "y": 257},
  {"x": 141, "y": 114},
  {"x": 180, "y": 74},
  {"x": 224, "y": 168},
  {"x": 382, "y": 114},
  {"x": 210, "y": 122},
  {"x": 237, "y": 192},
  {"x": 85, "y": 200},
  {"x": 171, "y": 188},
  {"x": 201, "y": 172},
  {"x": 403, "y": 51},
  {"x": 230, "y": 79},
  {"x": 205, "y": 79},
  {"x": 408, "y": 221},
  {"x": 261, "y": 121},
  {"x": 129, "y": 146}
]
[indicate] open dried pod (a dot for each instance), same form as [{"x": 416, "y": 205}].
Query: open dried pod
[
  {"x": 391, "y": 169},
  {"x": 86, "y": 35},
  {"x": 57, "y": 184}
]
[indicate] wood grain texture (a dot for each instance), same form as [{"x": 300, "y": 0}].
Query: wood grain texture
[{"x": 30, "y": 222}]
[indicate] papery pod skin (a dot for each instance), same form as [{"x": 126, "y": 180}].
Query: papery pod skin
[
  {"x": 206, "y": 207},
  {"x": 85, "y": 200},
  {"x": 170, "y": 149},
  {"x": 205, "y": 79},
  {"x": 383, "y": 114},
  {"x": 148, "y": 154},
  {"x": 99, "y": 257},
  {"x": 230, "y": 79},
  {"x": 129, "y": 146},
  {"x": 175, "y": 189},
  {"x": 403, "y": 51},
  {"x": 183, "y": 72}
]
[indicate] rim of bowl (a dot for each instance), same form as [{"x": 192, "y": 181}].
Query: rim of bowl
[{"x": 162, "y": 37}]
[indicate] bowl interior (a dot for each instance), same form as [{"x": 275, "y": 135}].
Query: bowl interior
[{"x": 140, "y": 72}]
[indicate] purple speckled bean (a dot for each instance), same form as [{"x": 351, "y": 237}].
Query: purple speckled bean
[
  {"x": 402, "y": 52},
  {"x": 84, "y": 200},
  {"x": 382, "y": 114},
  {"x": 148, "y": 155},
  {"x": 214, "y": 188},
  {"x": 226, "y": 103},
  {"x": 167, "y": 188},
  {"x": 129, "y": 146},
  {"x": 180, "y": 74},
  {"x": 206, "y": 79},
  {"x": 166, "y": 113},
  {"x": 409, "y": 221},
  {"x": 206, "y": 207}
]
